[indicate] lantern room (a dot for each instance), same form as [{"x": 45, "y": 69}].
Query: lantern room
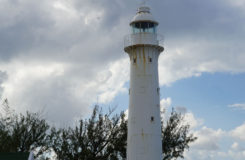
[{"x": 143, "y": 21}]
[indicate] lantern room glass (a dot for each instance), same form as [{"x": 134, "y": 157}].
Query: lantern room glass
[{"x": 144, "y": 27}]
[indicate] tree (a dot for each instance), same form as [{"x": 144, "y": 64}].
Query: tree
[
  {"x": 101, "y": 137},
  {"x": 23, "y": 133},
  {"x": 105, "y": 138},
  {"x": 175, "y": 137},
  {"x": 6, "y": 121}
]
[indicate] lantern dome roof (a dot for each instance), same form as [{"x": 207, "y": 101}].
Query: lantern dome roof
[{"x": 143, "y": 15}]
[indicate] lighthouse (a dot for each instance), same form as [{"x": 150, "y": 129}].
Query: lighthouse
[{"x": 144, "y": 125}]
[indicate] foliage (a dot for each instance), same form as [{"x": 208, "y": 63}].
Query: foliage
[
  {"x": 23, "y": 133},
  {"x": 101, "y": 137},
  {"x": 175, "y": 137}
]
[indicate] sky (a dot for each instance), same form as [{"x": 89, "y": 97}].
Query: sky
[{"x": 62, "y": 57}]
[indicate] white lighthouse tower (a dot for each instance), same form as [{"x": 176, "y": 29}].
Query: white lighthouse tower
[{"x": 144, "y": 125}]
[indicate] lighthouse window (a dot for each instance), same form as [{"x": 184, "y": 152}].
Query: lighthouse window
[
  {"x": 150, "y": 59},
  {"x": 134, "y": 60},
  {"x": 152, "y": 119},
  {"x": 148, "y": 27}
]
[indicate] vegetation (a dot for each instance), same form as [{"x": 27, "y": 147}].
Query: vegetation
[
  {"x": 175, "y": 137},
  {"x": 23, "y": 133},
  {"x": 101, "y": 137}
]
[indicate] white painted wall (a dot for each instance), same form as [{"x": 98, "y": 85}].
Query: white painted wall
[{"x": 144, "y": 126}]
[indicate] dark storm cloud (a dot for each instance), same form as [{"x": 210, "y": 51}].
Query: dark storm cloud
[
  {"x": 114, "y": 11},
  {"x": 19, "y": 27},
  {"x": 39, "y": 34},
  {"x": 200, "y": 36},
  {"x": 34, "y": 32},
  {"x": 216, "y": 21},
  {"x": 79, "y": 39},
  {"x": 198, "y": 17}
]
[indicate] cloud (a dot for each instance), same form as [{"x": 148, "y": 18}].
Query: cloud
[
  {"x": 238, "y": 132},
  {"x": 189, "y": 118},
  {"x": 211, "y": 144},
  {"x": 64, "y": 56},
  {"x": 192, "y": 120},
  {"x": 208, "y": 139},
  {"x": 197, "y": 41},
  {"x": 61, "y": 55},
  {"x": 3, "y": 77},
  {"x": 40, "y": 86},
  {"x": 240, "y": 106},
  {"x": 114, "y": 84},
  {"x": 67, "y": 53},
  {"x": 187, "y": 60},
  {"x": 71, "y": 31},
  {"x": 236, "y": 146},
  {"x": 180, "y": 109},
  {"x": 237, "y": 3},
  {"x": 213, "y": 155},
  {"x": 59, "y": 89},
  {"x": 165, "y": 103}
]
